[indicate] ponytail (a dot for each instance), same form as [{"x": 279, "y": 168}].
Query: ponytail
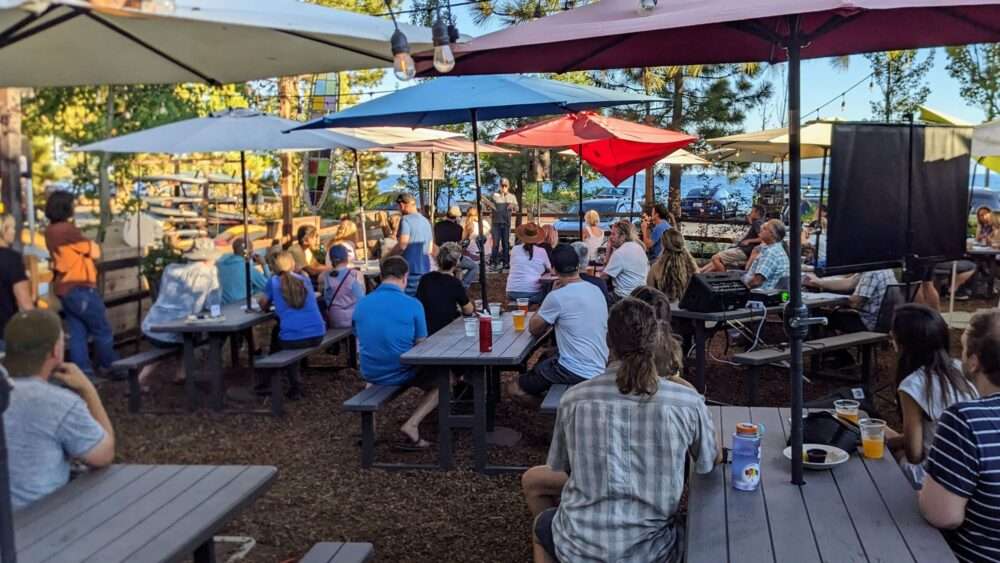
[
  {"x": 293, "y": 290},
  {"x": 633, "y": 336},
  {"x": 530, "y": 249}
]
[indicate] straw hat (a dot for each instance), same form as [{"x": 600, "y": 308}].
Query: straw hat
[
  {"x": 530, "y": 233},
  {"x": 203, "y": 249}
]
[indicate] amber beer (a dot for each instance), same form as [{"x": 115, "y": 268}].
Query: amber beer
[
  {"x": 519, "y": 317},
  {"x": 522, "y": 304}
]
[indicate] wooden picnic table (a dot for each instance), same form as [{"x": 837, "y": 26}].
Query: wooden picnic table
[
  {"x": 449, "y": 348},
  {"x": 701, "y": 320},
  {"x": 148, "y": 513},
  {"x": 234, "y": 320},
  {"x": 861, "y": 511}
]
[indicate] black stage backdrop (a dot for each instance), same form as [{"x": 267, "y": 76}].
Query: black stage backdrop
[{"x": 871, "y": 190}]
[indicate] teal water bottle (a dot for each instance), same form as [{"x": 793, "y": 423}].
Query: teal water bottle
[{"x": 745, "y": 468}]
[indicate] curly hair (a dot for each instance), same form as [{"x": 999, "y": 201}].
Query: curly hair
[
  {"x": 982, "y": 341},
  {"x": 672, "y": 271}
]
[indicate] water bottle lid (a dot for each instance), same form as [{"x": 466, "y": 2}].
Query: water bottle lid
[{"x": 747, "y": 429}]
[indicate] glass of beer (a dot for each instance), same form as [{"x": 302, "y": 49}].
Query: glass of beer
[
  {"x": 518, "y": 317},
  {"x": 847, "y": 409},
  {"x": 872, "y": 437},
  {"x": 522, "y": 304}
]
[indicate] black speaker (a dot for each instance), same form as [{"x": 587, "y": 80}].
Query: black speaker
[{"x": 715, "y": 292}]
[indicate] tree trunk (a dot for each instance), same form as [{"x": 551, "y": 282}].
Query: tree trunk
[
  {"x": 676, "y": 122},
  {"x": 888, "y": 88},
  {"x": 104, "y": 182},
  {"x": 519, "y": 196},
  {"x": 287, "y": 93},
  {"x": 10, "y": 152}
]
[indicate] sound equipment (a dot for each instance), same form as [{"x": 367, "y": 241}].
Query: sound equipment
[
  {"x": 715, "y": 292},
  {"x": 769, "y": 297}
]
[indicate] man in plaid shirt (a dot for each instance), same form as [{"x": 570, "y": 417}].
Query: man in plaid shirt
[
  {"x": 768, "y": 262},
  {"x": 864, "y": 303}
]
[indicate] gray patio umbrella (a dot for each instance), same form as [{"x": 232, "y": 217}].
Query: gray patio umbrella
[
  {"x": 471, "y": 99},
  {"x": 234, "y": 130}
]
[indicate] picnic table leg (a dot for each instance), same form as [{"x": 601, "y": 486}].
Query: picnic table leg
[
  {"x": 205, "y": 553},
  {"x": 444, "y": 419},
  {"x": 352, "y": 352},
  {"x": 215, "y": 369},
  {"x": 235, "y": 341},
  {"x": 492, "y": 398},
  {"x": 866, "y": 369},
  {"x": 479, "y": 419},
  {"x": 190, "y": 373},
  {"x": 699, "y": 355}
]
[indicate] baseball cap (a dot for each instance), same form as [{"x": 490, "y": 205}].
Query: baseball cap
[
  {"x": 338, "y": 253},
  {"x": 30, "y": 336},
  {"x": 405, "y": 198},
  {"x": 454, "y": 211},
  {"x": 564, "y": 259}
]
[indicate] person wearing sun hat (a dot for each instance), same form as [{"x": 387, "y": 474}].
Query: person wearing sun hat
[
  {"x": 48, "y": 426},
  {"x": 528, "y": 262},
  {"x": 186, "y": 288}
]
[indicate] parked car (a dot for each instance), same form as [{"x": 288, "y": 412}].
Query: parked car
[
  {"x": 984, "y": 197},
  {"x": 710, "y": 202},
  {"x": 605, "y": 206}
]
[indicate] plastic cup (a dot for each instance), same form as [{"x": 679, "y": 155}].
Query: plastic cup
[
  {"x": 522, "y": 304},
  {"x": 479, "y": 305},
  {"x": 872, "y": 438},
  {"x": 497, "y": 325},
  {"x": 495, "y": 310},
  {"x": 847, "y": 409},
  {"x": 471, "y": 326},
  {"x": 519, "y": 317}
]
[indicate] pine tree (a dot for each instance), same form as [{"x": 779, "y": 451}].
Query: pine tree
[{"x": 902, "y": 80}]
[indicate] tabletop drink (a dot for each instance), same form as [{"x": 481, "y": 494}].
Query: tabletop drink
[
  {"x": 746, "y": 457},
  {"x": 872, "y": 438},
  {"x": 479, "y": 306},
  {"x": 519, "y": 317},
  {"x": 847, "y": 409},
  {"x": 495, "y": 310},
  {"x": 522, "y": 304},
  {"x": 471, "y": 326},
  {"x": 485, "y": 333}
]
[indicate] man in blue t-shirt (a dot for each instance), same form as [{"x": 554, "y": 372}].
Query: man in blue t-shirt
[
  {"x": 387, "y": 324},
  {"x": 654, "y": 224},
  {"x": 48, "y": 425},
  {"x": 961, "y": 490},
  {"x": 416, "y": 241}
]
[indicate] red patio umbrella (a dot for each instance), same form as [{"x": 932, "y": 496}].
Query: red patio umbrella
[
  {"x": 634, "y": 33},
  {"x": 614, "y": 147}
]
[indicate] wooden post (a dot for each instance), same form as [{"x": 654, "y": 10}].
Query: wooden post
[
  {"x": 10, "y": 152},
  {"x": 287, "y": 97}
]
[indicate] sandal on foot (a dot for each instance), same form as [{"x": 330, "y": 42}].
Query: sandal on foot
[{"x": 408, "y": 444}]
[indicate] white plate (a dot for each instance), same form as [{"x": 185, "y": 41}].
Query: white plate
[{"x": 834, "y": 456}]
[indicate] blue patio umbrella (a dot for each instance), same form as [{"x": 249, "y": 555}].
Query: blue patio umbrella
[{"x": 461, "y": 99}]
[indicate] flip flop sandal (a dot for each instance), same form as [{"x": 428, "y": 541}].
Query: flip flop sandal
[{"x": 410, "y": 445}]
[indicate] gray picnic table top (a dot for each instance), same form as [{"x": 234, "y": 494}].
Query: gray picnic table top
[
  {"x": 234, "y": 319},
  {"x": 861, "y": 511},
  {"x": 451, "y": 347},
  {"x": 148, "y": 513}
]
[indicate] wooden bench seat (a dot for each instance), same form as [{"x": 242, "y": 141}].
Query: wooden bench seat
[
  {"x": 133, "y": 364},
  {"x": 551, "y": 403},
  {"x": 290, "y": 360},
  {"x": 768, "y": 356},
  {"x": 335, "y": 552},
  {"x": 367, "y": 402}
]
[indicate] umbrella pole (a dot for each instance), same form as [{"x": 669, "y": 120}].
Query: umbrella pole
[
  {"x": 819, "y": 207},
  {"x": 431, "y": 191},
  {"x": 481, "y": 239},
  {"x": 580, "y": 191},
  {"x": 247, "y": 250},
  {"x": 361, "y": 205},
  {"x": 631, "y": 203}
]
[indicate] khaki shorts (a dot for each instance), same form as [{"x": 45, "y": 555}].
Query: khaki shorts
[{"x": 733, "y": 257}]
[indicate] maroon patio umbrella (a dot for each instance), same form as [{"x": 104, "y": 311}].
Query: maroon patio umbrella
[{"x": 643, "y": 33}]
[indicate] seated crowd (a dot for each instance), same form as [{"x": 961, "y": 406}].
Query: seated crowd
[{"x": 626, "y": 429}]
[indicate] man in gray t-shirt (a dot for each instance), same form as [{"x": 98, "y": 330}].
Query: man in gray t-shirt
[{"x": 46, "y": 425}]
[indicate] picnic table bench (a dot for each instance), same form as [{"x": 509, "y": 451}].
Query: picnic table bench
[
  {"x": 861, "y": 511},
  {"x": 757, "y": 359},
  {"x": 368, "y": 402},
  {"x": 133, "y": 364},
  {"x": 290, "y": 361},
  {"x": 550, "y": 405},
  {"x": 335, "y": 552},
  {"x": 148, "y": 513}
]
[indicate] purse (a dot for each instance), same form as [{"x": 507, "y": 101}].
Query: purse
[{"x": 822, "y": 427}]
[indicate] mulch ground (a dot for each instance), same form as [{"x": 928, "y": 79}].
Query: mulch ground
[{"x": 322, "y": 494}]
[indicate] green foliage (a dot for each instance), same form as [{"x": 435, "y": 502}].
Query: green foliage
[
  {"x": 902, "y": 80},
  {"x": 977, "y": 69},
  {"x": 156, "y": 261}
]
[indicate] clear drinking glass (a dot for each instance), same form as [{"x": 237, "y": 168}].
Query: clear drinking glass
[{"x": 872, "y": 437}]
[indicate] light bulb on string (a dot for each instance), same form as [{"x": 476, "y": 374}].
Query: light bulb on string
[
  {"x": 646, "y": 7},
  {"x": 402, "y": 63},
  {"x": 444, "y": 59},
  {"x": 843, "y": 103}
]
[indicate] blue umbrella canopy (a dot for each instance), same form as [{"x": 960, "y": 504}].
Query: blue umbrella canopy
[{"x": 451, "y": 99}]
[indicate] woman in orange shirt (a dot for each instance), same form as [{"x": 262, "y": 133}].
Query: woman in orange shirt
[{"x": 73, "y": 255}]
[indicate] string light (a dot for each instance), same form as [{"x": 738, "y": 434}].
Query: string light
[
  {"x": 843, "y": 103},
  {"x": 402, "y": 62},
  {"x": 444, "y": 59}
]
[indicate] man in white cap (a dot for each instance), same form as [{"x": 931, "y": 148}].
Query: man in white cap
[
  {"x": 186, "y": 288},
  {"x": 449, "y": 230}
]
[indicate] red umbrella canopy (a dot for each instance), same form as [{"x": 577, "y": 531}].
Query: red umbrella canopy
[{"x": 614, "y": 147}]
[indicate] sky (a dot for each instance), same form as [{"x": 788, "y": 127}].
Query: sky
[{"x": 820, "y": 83}]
